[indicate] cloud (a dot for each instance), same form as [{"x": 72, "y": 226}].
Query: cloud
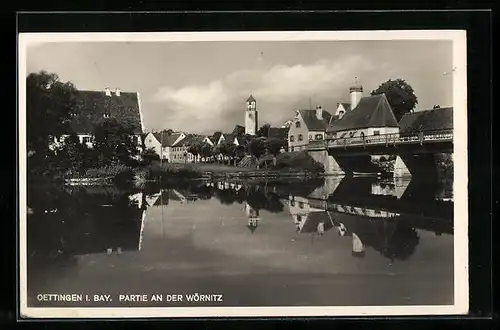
[{"x": 279, "y": 90}]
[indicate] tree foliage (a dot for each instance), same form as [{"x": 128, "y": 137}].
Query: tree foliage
[
  {"x": 400, "y": 95},
  {"x": 49, "y": 106},
  {"x": 256, "y": 147},
  {"x": 149, "y": 155},
  {"x": 263, "y": 131},
  {"x": 113, "y": 143},
  {"x": 274, "y": 145}
]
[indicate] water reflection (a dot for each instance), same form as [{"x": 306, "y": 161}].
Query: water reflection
[{"x": 211, "y": 228}]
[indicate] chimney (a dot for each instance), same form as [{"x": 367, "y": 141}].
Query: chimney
[
  {"x": 117, "y": 91},
  {"x": 108, "y": 91},
  {"x": 319, "y": 112}
]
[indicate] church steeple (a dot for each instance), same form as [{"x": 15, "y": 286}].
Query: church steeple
[{"x": 251, "y": 116}]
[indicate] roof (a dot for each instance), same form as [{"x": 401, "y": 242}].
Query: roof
[
  {"x": 166, "y": 140},
  {"x": 238, "y": 129},
  {"x": 347, "y": 106},
  {"x": 189, "y": 140},
  {"x": 228, "y": 137},
  {"x": 278, "y": 132},
  {"x": 242, "y": 139},
  {"x": 91, "y": 106},
  {"x": 312, "y": 221},
  {"x": 435, "y": 119},
  {"x": 371, "y": 111},
  {"x": 312, "y": 122},
  {"x": 251, "y": 99},
  {"x": 215, "y": 138}
]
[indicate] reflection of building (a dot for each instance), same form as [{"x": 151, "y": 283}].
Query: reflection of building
[
  {"x": 253, "y": 217},
  {"x": 307, "y": 218},
  {"x": 358, "y": 248}
]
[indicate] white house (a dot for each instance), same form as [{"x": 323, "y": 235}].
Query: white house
[
  {"x": 162, "y": 143},
  {"x": 308, "y": 125}
]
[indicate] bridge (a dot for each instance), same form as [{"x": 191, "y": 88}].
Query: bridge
[{"x": 414, "y": 152}]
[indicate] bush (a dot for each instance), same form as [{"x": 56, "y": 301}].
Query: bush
[{"x": 300, "y": 160}]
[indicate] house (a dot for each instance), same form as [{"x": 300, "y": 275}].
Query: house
[
  {"x": 238, "y": 130},
  {"x": 307, "y": 125},
  {"x": 426, "y": 120},
  {"x": 371, "y": 116},
  {"x": 180, "y": 150},
  {"x": 242, "y": 140},
  {"x": 93, "y": 107},
  {"x": 162, "y": 143},
  {"x": 253, "y": 217},
  {"x": 225, "y": 137}
]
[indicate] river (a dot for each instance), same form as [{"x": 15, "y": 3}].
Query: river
[{"x": 332, "y": 242}]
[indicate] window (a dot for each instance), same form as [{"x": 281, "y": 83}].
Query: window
[
  {"x": 297, "y": 124},
  {"x": 299, "y": 218},
  {"x": 292, "y": 138},
  {"x": 301, "y": 205},
  {"x": 300, "y": 137},
  {"x": 377, "y": 132},
  {"x": 341, "y": 112},
  {"x": 86, "y": 139},
  {"x": 362, "y": 135},
  {"x": 319, "y": 136},
  {"x": 311, "y": 138},
  {"x": 351, "y": 134},
  {"x": 292, "y": 149}
]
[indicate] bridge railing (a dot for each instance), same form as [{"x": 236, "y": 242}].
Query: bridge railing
[{"x": 391, "y": 139}]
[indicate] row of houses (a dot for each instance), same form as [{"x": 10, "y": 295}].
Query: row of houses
[{"x": 363, "y": 116}]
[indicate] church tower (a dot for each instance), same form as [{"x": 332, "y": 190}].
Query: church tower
[
  {"x": 356, "y": 91},
  {"x": 251, "y": 116}
]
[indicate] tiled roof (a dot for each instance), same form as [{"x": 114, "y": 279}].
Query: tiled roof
[
  {"x": 189, "y": 140},
  {"x": 435, "y": 119},
  {"x": 228, "y": 137},
  {"x": 242, "y": 139},
  {"x": 215, "y": 138},
  {"x": 251, "y": 99},
  {"x": 92, "y": 106},
  {"x": 371, "y": 111},
  {"x": 312, "y": 122},
  {"x": 238, "y": 129},
  {"x": 166, "y": 140},
  {"x": 278, "y": 132}
]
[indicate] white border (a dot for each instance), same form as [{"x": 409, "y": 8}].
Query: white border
[{"x": 460, "y": 171}]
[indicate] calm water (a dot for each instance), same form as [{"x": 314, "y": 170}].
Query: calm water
[{"x": 358, "y": 241}]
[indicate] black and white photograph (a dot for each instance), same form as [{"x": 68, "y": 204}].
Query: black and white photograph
[{"x": 243, "y": 174}]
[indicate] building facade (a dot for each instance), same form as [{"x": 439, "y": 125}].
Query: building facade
[
  {"x": 162, "y": 143},
  {"x": 308, "y": 125},
  {"x": 251, "y": 116}
]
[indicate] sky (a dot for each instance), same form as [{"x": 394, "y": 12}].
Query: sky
[{"x": 201, "y": 86}]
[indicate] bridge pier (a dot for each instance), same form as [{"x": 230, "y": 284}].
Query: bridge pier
[
  {"x": 421, "y": 166},
  {"x": 330, "y": 164}
]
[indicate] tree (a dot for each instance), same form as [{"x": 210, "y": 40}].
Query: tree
[
  {"x": 274, "y": 146},
  {"x": 50, "y": 104},
  {"x": 113, "y": 143},
  {"x": 195, "y": 149},
  {"x": 400, "y": 95},
  {"x": 149, "y": 155},
  {"x": 205, "y": 150},
  {"x": 256, "y": 147},
  {"x": 263, "y": 131}
]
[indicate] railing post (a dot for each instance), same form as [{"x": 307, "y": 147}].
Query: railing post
[{"x": 421, "y": 137}]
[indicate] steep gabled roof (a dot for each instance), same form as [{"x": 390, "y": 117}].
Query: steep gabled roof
[
  {"x": 238, "y": 129},
  {"x": 371, "y": 111},
  {"x": 189, "y": 140},
  {"x": 426, "y": 120},
  {"x": 251, "y": 99},
  {"x": 92, "y": 106},
  {"x": 166, "y": 140},
  {"x": 312, "y": 122},
  {"x": 228, "y": 137},
  {"x": 242, "y": 139},
  {"x": 215, "y": 138}
]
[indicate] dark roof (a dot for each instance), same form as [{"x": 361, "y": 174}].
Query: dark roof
[
  {"x": 251, "y": 99},
  {"x": 228, "y": 137},
  {"x": 189, "y": 140},
  {"x": 278, "y": 132},
  {"x": 371, "y": 111},
  {"x": 215, "y": 138},
  {"x": 312, "y": 122},
  {"x": 93, "y": 105},
  {"x": 238, "y": 129},
  {"x": 242, "y": 139},
  {"x": 167, "y": 140},
  {"x": 435, "y": 119}
]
